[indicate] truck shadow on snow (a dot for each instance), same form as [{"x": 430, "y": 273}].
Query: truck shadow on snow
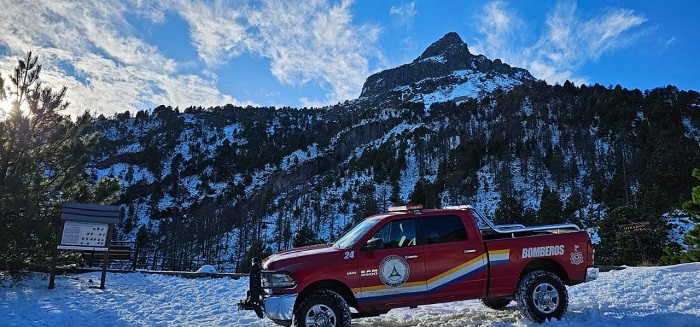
[
  {"x": 444, "y": 316},
  {"x": 622, "y": 316},
  {"x": 511, "y": 316}
]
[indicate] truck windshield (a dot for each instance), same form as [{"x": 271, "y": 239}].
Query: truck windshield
[{"x": 351, "y": 237}]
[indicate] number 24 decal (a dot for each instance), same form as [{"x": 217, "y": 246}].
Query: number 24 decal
[{"x": 349, "y": 255}]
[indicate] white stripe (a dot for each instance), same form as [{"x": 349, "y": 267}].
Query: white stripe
[
  {"x": 459, "y": 273},
  {"x": 391, "y": 291},
  {"x": 499, "y": 257}
]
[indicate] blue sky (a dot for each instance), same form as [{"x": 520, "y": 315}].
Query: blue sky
[{"x": 133, "y": 54}]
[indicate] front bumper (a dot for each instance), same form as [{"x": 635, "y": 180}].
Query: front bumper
[
  {"x": 592, "y": 273},
  {"x": 280, "y": 307}
]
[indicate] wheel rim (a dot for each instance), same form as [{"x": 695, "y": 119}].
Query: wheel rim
[
  {"x": 545, "y": 297},
  {"x": 320, "y": 316}
]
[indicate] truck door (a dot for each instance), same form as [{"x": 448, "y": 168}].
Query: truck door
[
  {"x": 391, "y": 269},
  {"x": 455, "y": 262}
]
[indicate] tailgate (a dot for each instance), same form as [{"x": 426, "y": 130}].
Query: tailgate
[{"x": 568, "y": 255}]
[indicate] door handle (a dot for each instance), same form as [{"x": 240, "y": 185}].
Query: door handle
[
  {"x": 469, "y": 251},
  {"x": 411, "y": 256}
]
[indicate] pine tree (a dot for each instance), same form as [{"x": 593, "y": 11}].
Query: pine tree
[
  {"x": 257, "y": 250},
  {"x": 573, "y": 204},
  {"x": 692, "y": 239},
  {"x": 367, "y": 204},
  {"x": 693, "y": 206},
  {"x": 551, "y": 208},
  {"x": 306, "y": 236},
  {"x": 509, "y": 211},
  {"x": 424, "y": 193},
  {"x": 43, "y": 159},
  {"x": 418, "y": 195}
]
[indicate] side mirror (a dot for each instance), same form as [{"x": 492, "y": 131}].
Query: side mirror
[{"x": 374, "y": 244}]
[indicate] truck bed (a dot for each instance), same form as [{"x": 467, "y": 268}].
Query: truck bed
[{"x": 490, "y": 234}]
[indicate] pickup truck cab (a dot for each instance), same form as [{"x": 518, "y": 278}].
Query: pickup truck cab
[{"x": 410, "y": 256}]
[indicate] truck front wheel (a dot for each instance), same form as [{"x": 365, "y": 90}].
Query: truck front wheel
[
  {"x": 323, "y": 308},
  {"x": 541, "y": 295}
]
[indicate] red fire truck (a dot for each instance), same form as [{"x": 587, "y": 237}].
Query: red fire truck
[{"x": 409, "y": 257}]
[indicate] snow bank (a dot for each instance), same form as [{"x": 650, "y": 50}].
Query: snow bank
[{"x": 207, "y": 269}]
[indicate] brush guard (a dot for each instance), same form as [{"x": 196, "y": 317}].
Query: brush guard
[{"x": 254, "y": 296}]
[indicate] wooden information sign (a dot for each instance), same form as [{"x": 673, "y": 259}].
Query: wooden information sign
[
  {"x": 635, "y": 227},
  {"x": 86, "y": 227}
]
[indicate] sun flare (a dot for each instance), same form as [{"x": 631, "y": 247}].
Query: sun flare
[{"x": 5, "y": 106}]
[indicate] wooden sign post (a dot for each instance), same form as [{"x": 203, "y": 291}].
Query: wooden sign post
[
  {"x": 636, "y": 229},
  {"x": 86, "y": 227}
]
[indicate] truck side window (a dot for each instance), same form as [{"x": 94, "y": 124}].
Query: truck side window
[
  {"x": 399, "y": 233},
  {"x": 442, "y": 229}
]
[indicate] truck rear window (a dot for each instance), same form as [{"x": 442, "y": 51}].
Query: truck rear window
[{"x": 442, "y": 229}]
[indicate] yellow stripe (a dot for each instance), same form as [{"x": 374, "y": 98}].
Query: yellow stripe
[
  {"x": 475, "y": 261},
  {"x": 381, "y": 287},
  {"x": 455, "y": 269}
]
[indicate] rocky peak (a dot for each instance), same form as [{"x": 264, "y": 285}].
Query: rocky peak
[
  {"x": 450, "y": 44},
  {"x": 445, "y": 70}
]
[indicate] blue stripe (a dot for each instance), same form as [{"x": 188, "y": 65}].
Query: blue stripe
[
  {"x": 390, "y": 296},
  {"x": 458, "y": 279},
  {"x": 434, "y": 290}
]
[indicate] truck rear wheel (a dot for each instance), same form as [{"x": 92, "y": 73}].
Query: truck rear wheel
[
  {"x": 541, "y": 295},
  {"x": 323, "y": 308},
  {"x": 496, "y": 303}
]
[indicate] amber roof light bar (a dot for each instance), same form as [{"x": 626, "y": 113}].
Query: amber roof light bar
[{"x": 408, "y": 207}]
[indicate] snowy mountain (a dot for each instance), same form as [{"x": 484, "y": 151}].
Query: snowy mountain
[{"x": 448, "y": 128}]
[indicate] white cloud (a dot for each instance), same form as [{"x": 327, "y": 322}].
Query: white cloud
[
  {"x": 567, "y": 43},
  {"x": 665, "y": 44},
  {"x": 404, "y": 13},
  {"x": 313, "y": 41},
  {"x": 671, "y": 41},
  {"x": 152, "y": 10},
  {"x": 218, "y": 32},
  {"x": 90, "y": 47},
  {"x": 501, "y": 28}
]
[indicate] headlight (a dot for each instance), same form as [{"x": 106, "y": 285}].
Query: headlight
[{"x": 273, "y": 279}]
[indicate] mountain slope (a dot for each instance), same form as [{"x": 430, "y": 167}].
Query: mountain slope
[{"x": 208, "y": 183}]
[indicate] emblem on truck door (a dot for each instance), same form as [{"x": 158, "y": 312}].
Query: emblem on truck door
[{"x": 394, "y": 271}]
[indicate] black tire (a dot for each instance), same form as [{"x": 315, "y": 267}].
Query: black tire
[
  {"x": 323, "y": 308},
  {"x": 541, "y": 295},
  {"x": 496, "y": 303}
]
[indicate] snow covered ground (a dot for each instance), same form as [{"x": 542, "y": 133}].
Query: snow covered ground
[{"x": 657, "y": 296}]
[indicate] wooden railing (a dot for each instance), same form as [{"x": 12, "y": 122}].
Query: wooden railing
[{"x": 128, "y": 256}]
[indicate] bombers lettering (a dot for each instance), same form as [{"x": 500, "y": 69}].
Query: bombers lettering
[{"x": 543, "y": 251}]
